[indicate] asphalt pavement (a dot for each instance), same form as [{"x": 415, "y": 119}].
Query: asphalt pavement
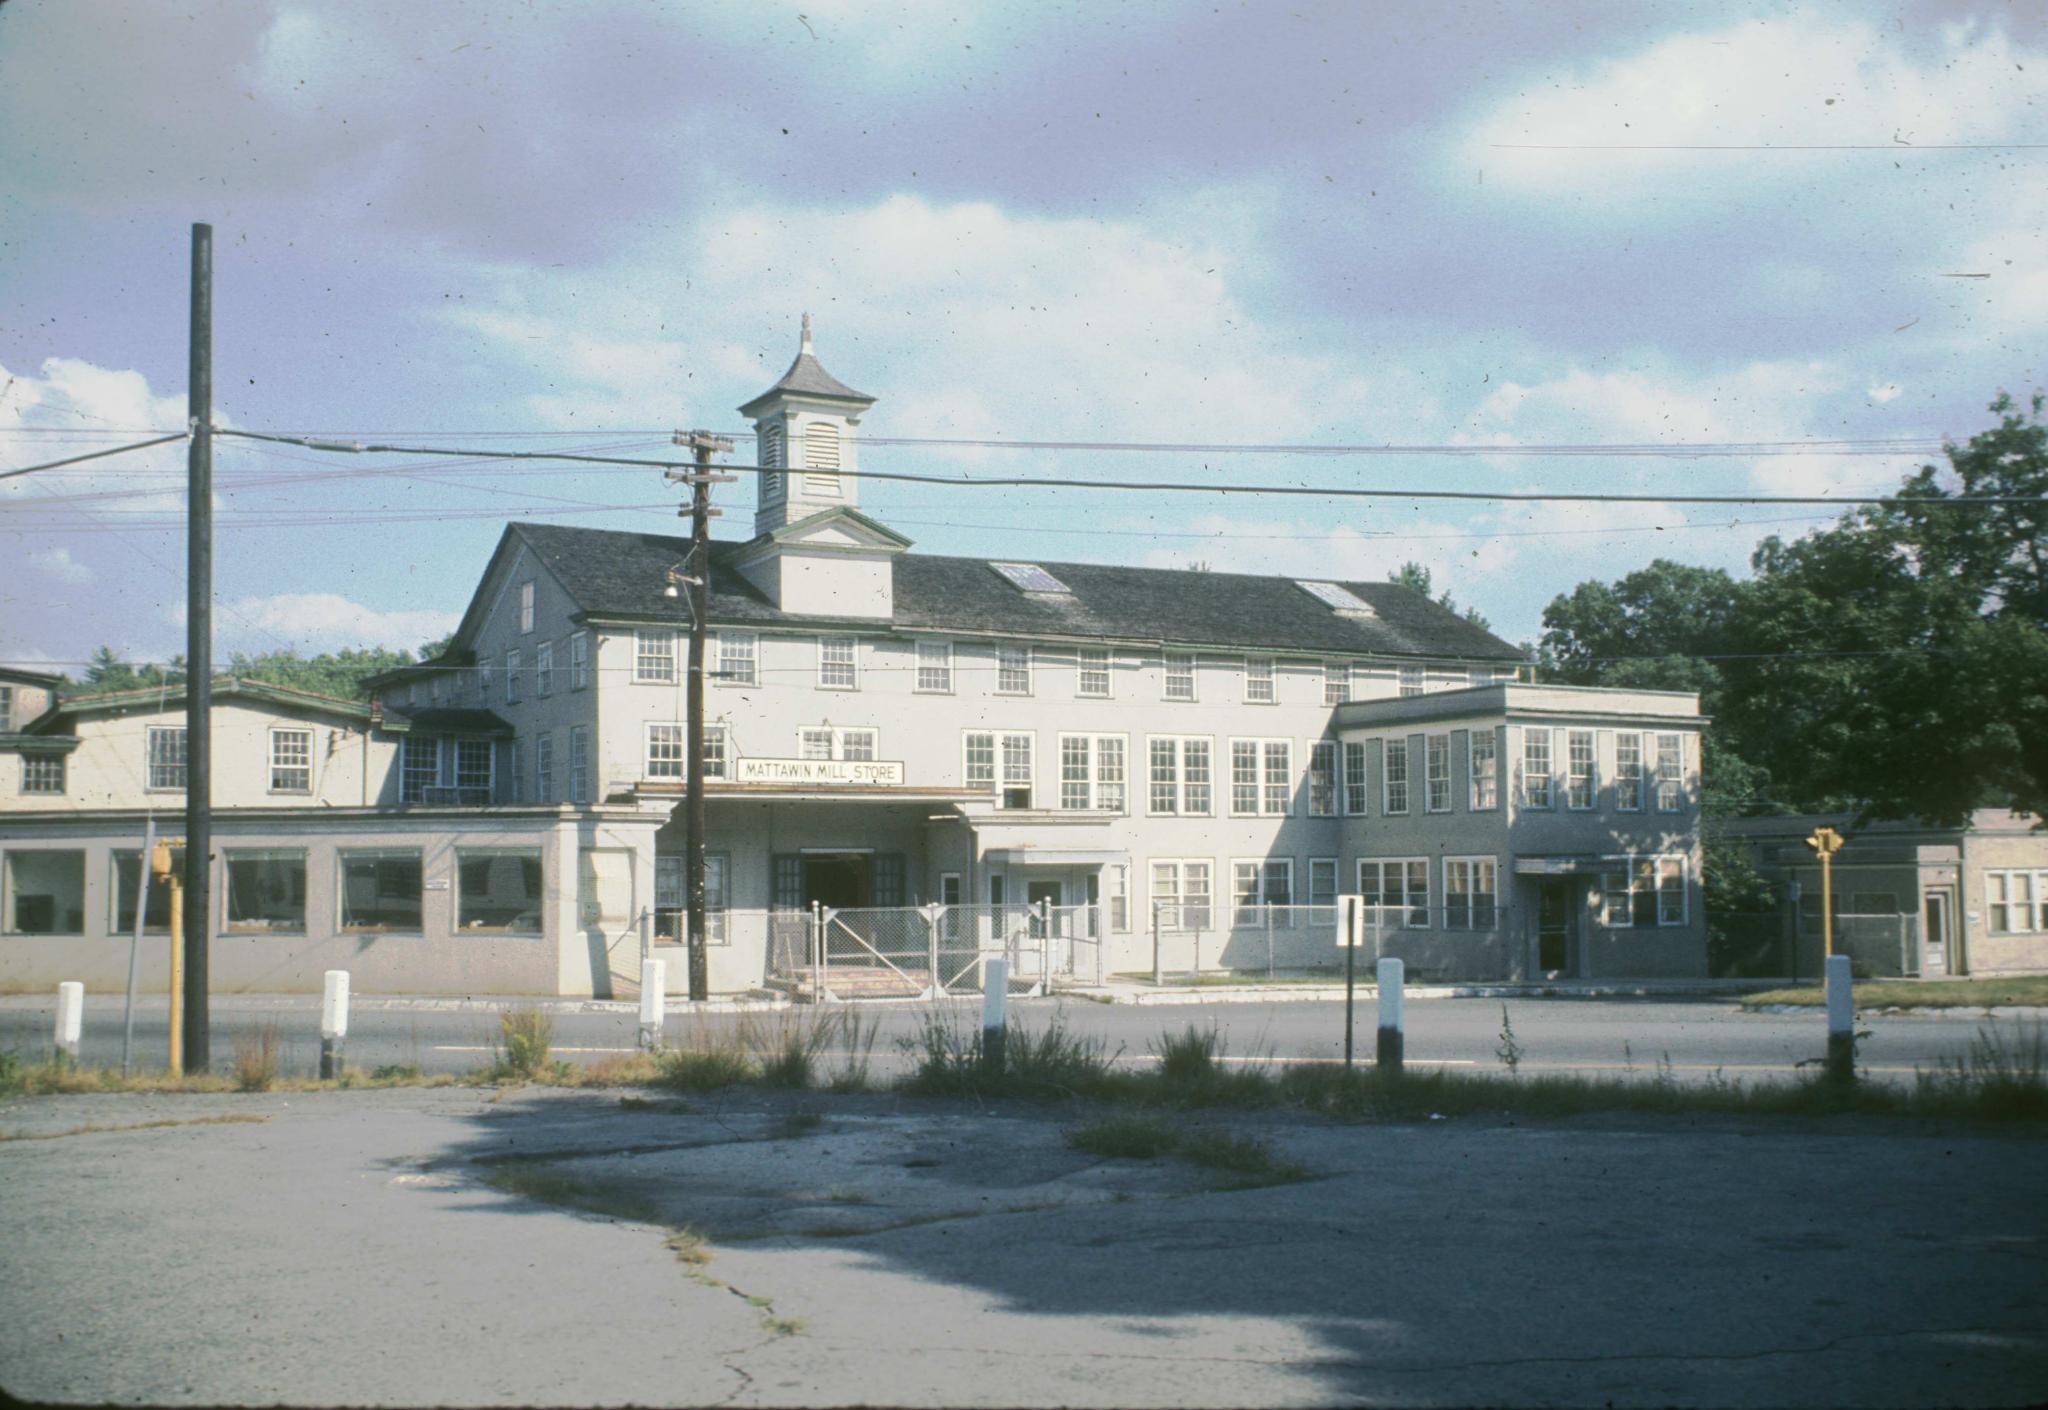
[{"x": 1695, "y": 1038}]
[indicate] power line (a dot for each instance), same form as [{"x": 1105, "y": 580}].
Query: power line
[
  {"x": 95, "y": 455},
  {"x": 1155, "y": 486}
]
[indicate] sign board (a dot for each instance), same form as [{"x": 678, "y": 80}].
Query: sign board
[
  {"x": 1351, "y": 922},
  {"x": 824, "y": 771}
]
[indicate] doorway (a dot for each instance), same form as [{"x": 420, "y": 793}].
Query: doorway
[
  {"x": 1554, "y": 928},
  {"x": 1934, "y": 933},
  {"x": 837, "y": 880},
  {"x": 1052, "y": 893}
]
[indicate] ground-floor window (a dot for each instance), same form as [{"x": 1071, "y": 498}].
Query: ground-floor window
[
  {"x": 672, "y": 896},
  {"x": 1181, "y": 893},
  {"x": 1396, "y": 890},
  {"x": 1117, "y": 885},
  {"x": 381, "y": 890},
  {"x": 498, "y": 890},
  {"x": 1644, "y": 892},
  {"x": 1258, "y": 886},
  {"x": 1471, "y": 893},
  {"x": 266, "y": 891},
  {"x": 1322, "y": 881},
  {"x": 156, "y": 915},
  {"x": 2016, "y": 902},
  {"x": 45, "y": 892}
]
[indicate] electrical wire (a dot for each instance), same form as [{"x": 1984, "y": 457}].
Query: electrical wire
[{"x": 95, "y": 455}]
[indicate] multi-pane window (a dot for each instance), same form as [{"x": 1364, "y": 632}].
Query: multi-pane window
[
  {"x": 991, "y": 757},
  {"x": 1394, "y": 776},
  {"x": 380, "y": 890},
  {"x": 1116, "y": 886},
  {"x": 1092, "y": 772},
  {"x": 6, "y": 708},
  {"x": 498, "y": 891},
  {"x": 979, "y": 760},
  {"x": 2016, "y": 902},
  {"x": 856, "y": 744},
  {"x": 473, "y": 768},
  {"x": 838, "y": 667},
  {"x": 1670, "y": 772},
  {"x": 266, "y": 891},
  {"x": 1017, "y": 770},
  {"x": 518, "y": 771},
  {"x": 579, "y": 661},
  {"x": 544, "y": 769},
  {"x": 42, "y": 773},
  {"x": 738, "y": 658},
  {"x": 1258, "y": 681},
  {"x": 419, "y": 767},
  {"x": 1013, "y": 670},
  {"x": 526, "y": 607},
  {"x": 544, "y": 669},
  {"x": 1261, "y": 776},
  {"x": 1646, "y": 892},
  {"x": 1180, "y": 775},
  {"x": 291, "y": 761},
  {"x": 1257, "y": 886},
  {"x": 1355, "y": 786},
  {"x": 164, "y": 747},
  {"x": 1535, "y": 767},
  {"x": 44, "y": 890},
  {"x": 1485, "y": 771},
  {"x": 579, "y": 763},
  {"x": 1396, "y": 891},
  {"x": 672, "y": 900},
  {"x": 1180, "y": 675},
  {"x": 714, "y": 751},
  {"x": 1411, "y": 680},
  {"x": 1322, "y": 881},
  {"x": 654, "y": 655},
  {"x": 1181, "y": 893},
  {"x": 1336, "y": 682},
  {"x": 1471, "y": 893},
  {"x": 1437, "y": 773},
  {"x": 935, "y": 666},
  {"x": 1322, "y": 778},
  {"x": 512, "y": 668},
  {"x": 667, "y": 751},
  {"x": 1091, "y": 672},
  {"x": 1628, "y": 772},
  {"x": 1578, "y": 763}
]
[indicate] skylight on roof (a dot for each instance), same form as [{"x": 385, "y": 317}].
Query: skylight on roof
[
  {"x": 1029, "y": 577},
  {"x": 1337, "y": 599}
]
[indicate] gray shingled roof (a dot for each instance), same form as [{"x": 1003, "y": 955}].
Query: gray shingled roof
[
  {"x": 808, "y": 377},
  {"x": 620, "y": 576}
]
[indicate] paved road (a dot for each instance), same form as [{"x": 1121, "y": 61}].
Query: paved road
[
  {"x": 1582, "y": 1035},
  {"x": 410, "y": 1247}
]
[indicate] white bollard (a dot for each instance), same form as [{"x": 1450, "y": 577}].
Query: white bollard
[
  {"x": 995, "y": 998},
  {"x": 653, "y": 994},
  {"x": 70, "y": 1019},
  {"x": 333, "y": 1023},
  {"x": 1391, "y": 973},
  {"x": 1841, "y": 1063}
]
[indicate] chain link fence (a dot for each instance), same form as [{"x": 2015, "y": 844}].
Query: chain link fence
[{"x": 829, "y": 953}]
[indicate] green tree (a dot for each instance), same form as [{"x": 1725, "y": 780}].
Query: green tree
[
  {"x": 339, "y": 673},
  {"x": 1415, "y": 577},
  {"x": 107, "y": 673}
]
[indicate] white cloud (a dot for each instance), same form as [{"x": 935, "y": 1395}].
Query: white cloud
[
  {"x": 59, "y": 564},
  {"x": 1796, "y": 81},
  {"x": 1883, "y": 392},
  {"x": 312, "y": 622}
]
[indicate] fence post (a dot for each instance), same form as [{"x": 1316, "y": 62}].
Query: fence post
[
  {"x": 995, "y": 994},
  {"x": 1269, "y": 940},
  {"x": 1158, "y": 963},
  {"x": 333, "y": 1022},
  {"x": 934, "y": 917},
  {"x": 817, "y": 955},
  {"x": 1101, "y": 912},
  {"x": 70, "y": 1021},
  {"x": 653, "y": 994},
  {"x": 1390, "y": 975},
  {"x": 1044, "y": 946},
  {"x": 646, "y": 935},
  {"x": 1841, "y": 1063}
]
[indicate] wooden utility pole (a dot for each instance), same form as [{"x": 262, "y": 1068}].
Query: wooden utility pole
[
  {"x": 697, "y": 583},
  {"x": 198, "y": 657}
]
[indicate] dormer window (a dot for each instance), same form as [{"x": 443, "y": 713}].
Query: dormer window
[
  {"x": 1029, "y": 577},
  {"x": 1340, "y": 600}
]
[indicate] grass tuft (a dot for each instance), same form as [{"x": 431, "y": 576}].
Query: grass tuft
[
  {"x": 1126, "y": 1137},
  {"x": 256, "y": 1058},
  {"x": 520, "y": 1053},
  {"x": 1045, "y": 1064}
]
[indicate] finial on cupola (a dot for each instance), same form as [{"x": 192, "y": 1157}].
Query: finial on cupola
[{"x": 807, "y": 334}]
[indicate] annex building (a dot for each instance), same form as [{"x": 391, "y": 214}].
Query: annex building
[{"x": 913, "y": 760}]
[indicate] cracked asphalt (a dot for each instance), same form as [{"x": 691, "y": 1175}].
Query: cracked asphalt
[{"x": 457, "y": 1246}]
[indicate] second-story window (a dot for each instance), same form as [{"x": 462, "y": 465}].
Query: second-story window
[
  {"x": 579, "y": 661},
  {"x": 1091, "y": 672},
  {"x": 1411, "y": 680},
  {"x": 1628, "y": 772},
  {"x": 738, "y": 658},
  {"x": 1485, "y": 771},
  {"x": 838, "y": 664},
  {"x": 935, "y": 666},
  {"x": 654, "y": 655},
  {"x": 1258, "y": 681},
  {"x": 1336, "y": 682},
  {"x": 1013, "y": 670},
  {"x": 1394, "y": 768},
  {"x": 1670, "y": 772},
  {"x": 544, "y": 668},
  {"x": 1535, "y": 767},
  {"x": 579, "y": 764},
  {"x": 1356, "y": 796},
  {"x": 291, "y": 761},
  {"x": 1322, "y": 778},
  {"x": 419, "y": 767},
  {"x": 512, "y": 667},
  {"x": 165, "y": 745},
  {"x": 1437, "y": 773},
  {"x": 1180, "y": 675},
  {"x": 1578, "y": 785}
]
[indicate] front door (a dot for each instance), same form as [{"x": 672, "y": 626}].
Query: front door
[
  {"x": 1046, "y": 892},
  {"x": 1553, "y": 927},
  {"x": 1934, "y": 934},
  {"x": 837, "y": 880}
]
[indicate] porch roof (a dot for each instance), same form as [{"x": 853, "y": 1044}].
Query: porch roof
[
  {"x": 1563, "y": 864},
  {"x": 1053, "y": 856}
]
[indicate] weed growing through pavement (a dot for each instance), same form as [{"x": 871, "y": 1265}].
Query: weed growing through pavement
[
  {"x": 256, "y": 1058},
  {"x": 520, "y": 1053},
  {"x": 1248, "y": 1160},
  {"x": 1509, "y": 1052}
]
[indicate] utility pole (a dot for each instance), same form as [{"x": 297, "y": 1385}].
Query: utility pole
[
  {"x": 697, "y": 581},
  {"x": 199, "y": 654}
]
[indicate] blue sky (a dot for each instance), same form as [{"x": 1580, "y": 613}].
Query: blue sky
[{"x": 1346, "y": 224}]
